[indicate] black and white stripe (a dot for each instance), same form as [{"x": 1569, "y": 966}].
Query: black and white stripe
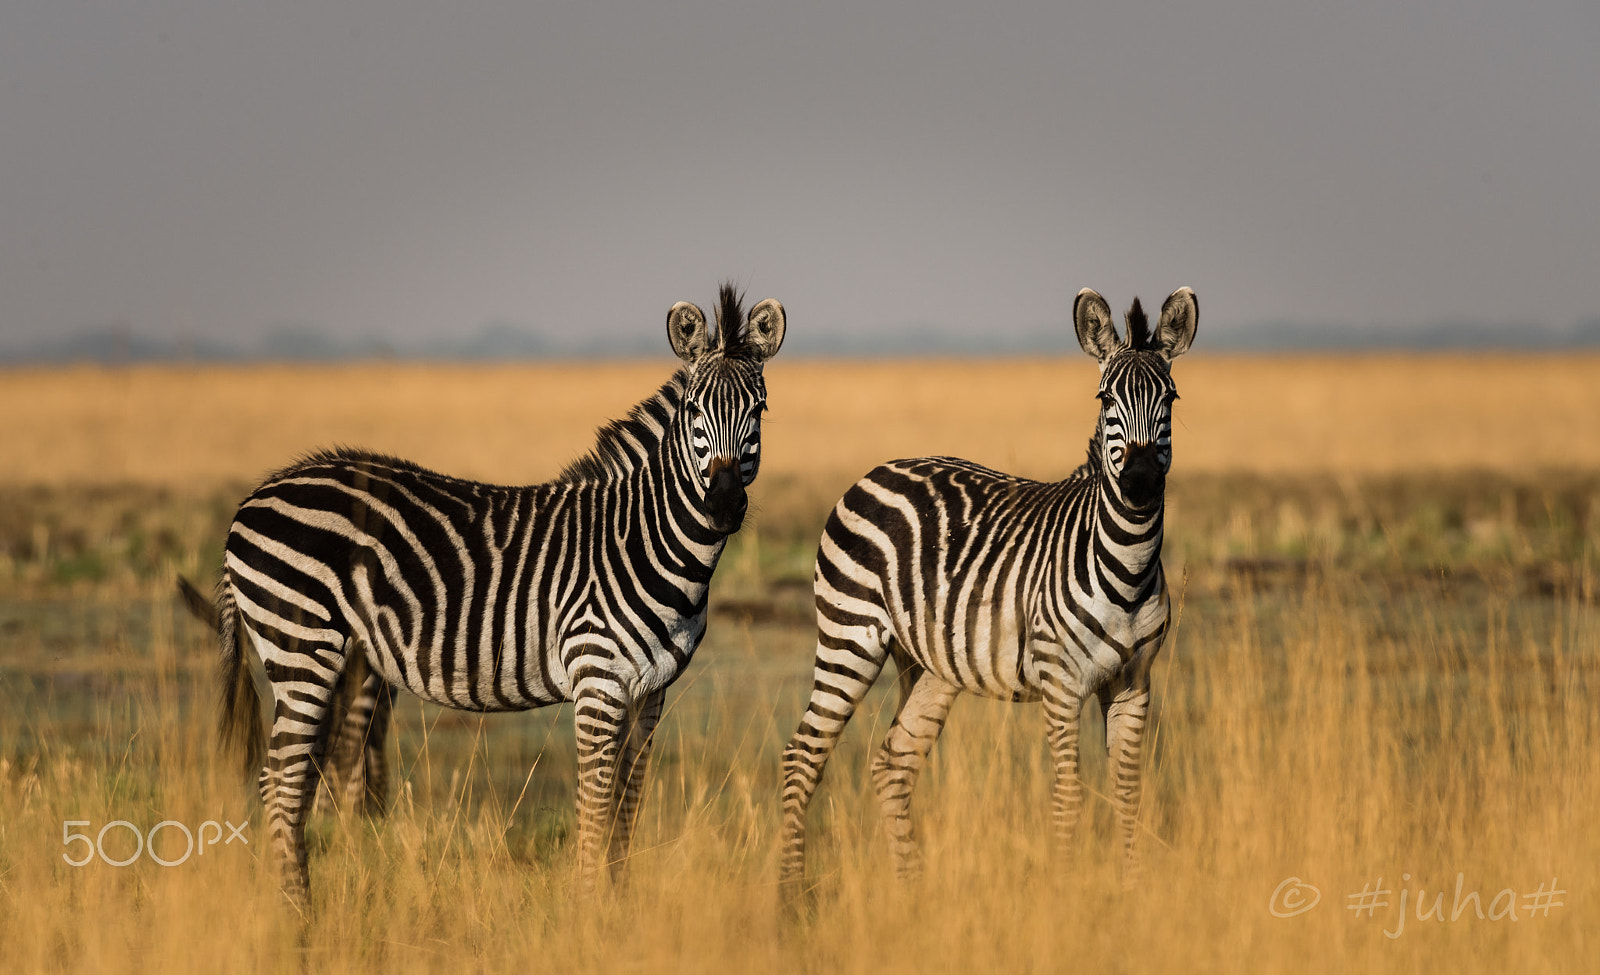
[
  {"x": 591, "y": 588},
  {"x": 978, "y": 581}
]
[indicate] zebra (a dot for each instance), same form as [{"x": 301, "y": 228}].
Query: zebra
[
  {"x": 362, "y": 570},
  {"x": 979, "y": 581}
]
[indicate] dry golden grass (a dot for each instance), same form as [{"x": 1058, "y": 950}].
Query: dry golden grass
[
  {"x": 830, "y": 421},
  {"x": 1301, "y": 734},
  {"x": 1385, "y": 668}
]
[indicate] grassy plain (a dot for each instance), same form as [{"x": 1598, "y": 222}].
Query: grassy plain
[{"x": 1384, "y": 671}]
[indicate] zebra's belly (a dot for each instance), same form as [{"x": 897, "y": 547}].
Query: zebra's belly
[
  {"x": 472, "y": 683},
  {"x": 546, "y": 663},
  {"x": 985, "y": 656},
  {"x": 484, "y": 702}
]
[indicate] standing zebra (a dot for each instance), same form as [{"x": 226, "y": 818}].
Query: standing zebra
[
  {"x": 978, "y": 581},
  {"x": 590, "y": 588}
]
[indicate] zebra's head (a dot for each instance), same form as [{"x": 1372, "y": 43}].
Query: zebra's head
[
  {"x": 1136, "y": 389},
  {"x": 724, "y": 397}
]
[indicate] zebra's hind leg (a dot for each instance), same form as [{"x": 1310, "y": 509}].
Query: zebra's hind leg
[
  {"x": 848, "y": 662},
  {"x": 637, "y": 740},
  {"x": 349, "y": 715},
  {"x": 375, "y": 760},
  {"x": 901, "y": 759},
  {"x": 303, "y": 676},
  {"x": 1126, "y": 705},
  {"x": 356, "y": 774}
]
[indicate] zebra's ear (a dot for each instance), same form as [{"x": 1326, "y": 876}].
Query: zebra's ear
[
  {"x": 1180, "y": 318},
  {"x": 763, "y": 330},
  {"x": 686, "y": 330},
  {"x": 1091, "y": 316}
]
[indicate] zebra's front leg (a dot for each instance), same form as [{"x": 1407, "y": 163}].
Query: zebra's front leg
[
  {"x": 1126, "y": 705},
  {"x": 897, "y": 764},
  {"x": 600, "y": 717},
  {"x": 1063, "y": 707},
  {"x": 637, "y": 740}
]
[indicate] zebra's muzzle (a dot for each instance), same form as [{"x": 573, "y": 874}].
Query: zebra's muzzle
[
  {"x": 1143, "y": 480},
  {"x": 726, "y": 501}
]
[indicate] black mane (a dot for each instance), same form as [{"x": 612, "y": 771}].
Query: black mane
[
  {"x": 730, "y": 317},
  {"x": 1138, "y": 328},
  {"x": 624, "y": 445}
]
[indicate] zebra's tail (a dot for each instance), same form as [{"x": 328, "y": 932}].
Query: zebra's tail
[
  {"x": 239, "y": 724},
  {"x": 200, "y": 605}
]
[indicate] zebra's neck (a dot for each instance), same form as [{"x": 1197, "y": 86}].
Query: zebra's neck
[
  {"x": 672, "y": 487},
  {"x": 1125, "y": 544},
  {"x": 1127, "y": 541},
  {"x": 644, "y": 453},
  {"x": 1133, "y": 535}
]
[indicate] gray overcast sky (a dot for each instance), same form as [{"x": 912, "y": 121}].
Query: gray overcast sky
[{"x": 405, "y": 169}]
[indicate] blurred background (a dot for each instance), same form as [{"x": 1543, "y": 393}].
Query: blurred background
[{"x": 486, "y": 180}]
